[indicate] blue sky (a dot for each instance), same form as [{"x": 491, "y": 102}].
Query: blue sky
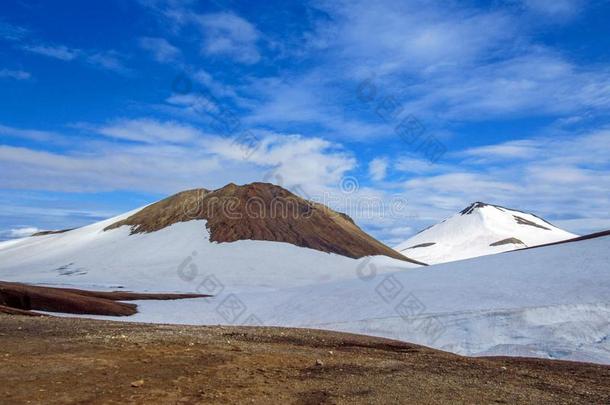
[{"x": 96, "y": 118}]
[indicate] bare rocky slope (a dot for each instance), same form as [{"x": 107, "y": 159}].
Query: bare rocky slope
[
  {"x": 62, "y": 360},
  {"x": 261, "y": 211}
]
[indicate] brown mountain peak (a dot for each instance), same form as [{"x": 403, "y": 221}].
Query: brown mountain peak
[{"x": 261, "y": 211}]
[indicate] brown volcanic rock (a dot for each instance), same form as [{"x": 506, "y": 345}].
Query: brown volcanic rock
[
  {"x": 43, "y": 233},
  {"x": 507, "y": 241},
  {"x": 27, "y": 298},
  {"x": 130, "y": 296},
  {"x": 261, "y": 211},
  {"x": 17, "y": 298},
  {"x": 15, "y": 311}
]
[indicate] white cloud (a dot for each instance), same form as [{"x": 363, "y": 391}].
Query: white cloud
[
  {"x": 12, "y": 32},
  {"x": 396, "y": 234},
  {"x": 172, "y": 157},
  {"x": 583, "y": 226},
  {"x": 150, "y": 131},
  {"x": 20, "y": 232},
  {"x": 555, "y": 8},
  {"x": 160, "y": 48},
  {"x": 538, "y": 83},
  {"x": 227, "y": 34},
  {"x": 60, "y": 52},
  {"x": 223, "y": 33},
  {"x": 519, "y": 149},
  {"x": 378, "y": 168},
  {"x": 410, "y": 164},
  {"x": 214, "y": 85},
  {"x": 107, "y": 60},
  {"x": 27, "y": 133},
  {"x": 193, "y": 103},
  {"x": 310, "y": 99},
  {"x": 15, "y": 74},
  {"x": 311, "y": 163},
  {"x": 461, "y": 183}
]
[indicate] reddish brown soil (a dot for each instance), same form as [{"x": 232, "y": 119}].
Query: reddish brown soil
[
  {"x": 24, "y": 297},
  {"x": 261, "y": 211},
  {"x": 60, "y": 360}
]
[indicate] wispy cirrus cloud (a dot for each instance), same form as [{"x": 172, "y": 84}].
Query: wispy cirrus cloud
[
  {"x": 224, "y": 34},
  {"x": 14, "y": 74},
  {"x": 149, "y": 130},
  {"x": 555, "y": 8},
  {"x": 396, "y": 37},
  {"x": 227, "y": 34},
  {"x": 26, "y": 40},
  {"x": 60, "y": 52},
  {"x": 378, "y": 168},
  {"x": 33, "y": 134},
  {"x": 539, "y": 83},
  {"x": 11, "y": 32},
  {"x": 106, "y": 60},
  {"x": 160, "y": 48}
]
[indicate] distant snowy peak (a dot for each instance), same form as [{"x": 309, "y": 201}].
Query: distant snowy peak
[
  {"x": 517, "y": 215},
  {"x": 480, "y": 229}
]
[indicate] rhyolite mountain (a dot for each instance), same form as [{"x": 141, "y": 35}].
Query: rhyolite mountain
[
  {"x": 480, "y": 229},
  {"x": 260, "y": 211}
]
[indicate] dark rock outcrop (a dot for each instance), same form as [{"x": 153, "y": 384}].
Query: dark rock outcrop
[
  {"x": 22, "y": 297},
  {"x": 507, "y": 241}
]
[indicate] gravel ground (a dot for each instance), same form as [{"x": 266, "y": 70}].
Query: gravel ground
[{"x": 63, "y": 360}]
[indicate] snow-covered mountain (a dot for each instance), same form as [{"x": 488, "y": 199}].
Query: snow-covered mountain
[{"x": 478, "y": 230}]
